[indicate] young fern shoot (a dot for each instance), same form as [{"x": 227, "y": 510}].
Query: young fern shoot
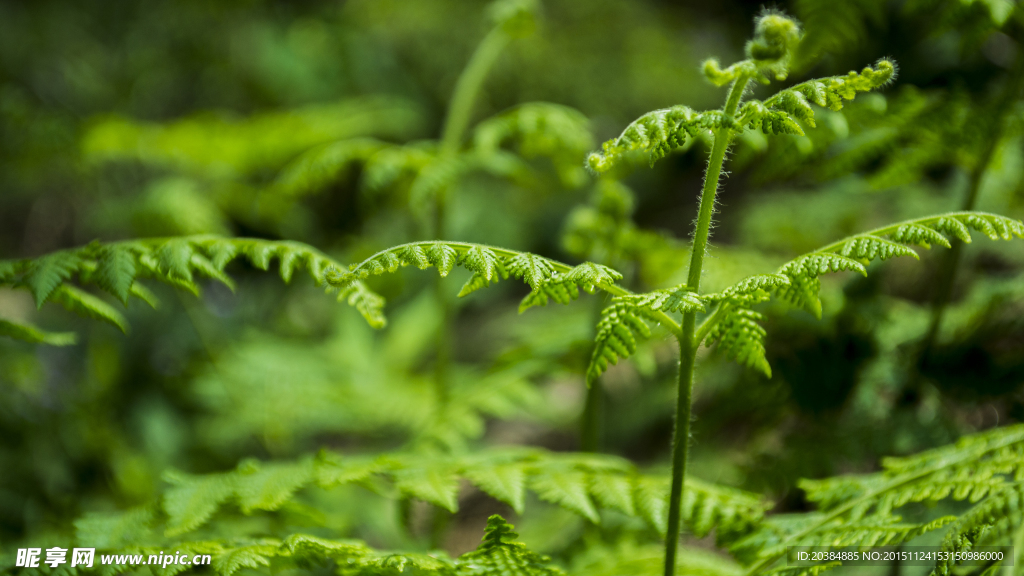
[{"x": 657, "y": 133}]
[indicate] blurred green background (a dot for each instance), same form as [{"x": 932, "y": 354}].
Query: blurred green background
[{"x": 128, "y": 119}]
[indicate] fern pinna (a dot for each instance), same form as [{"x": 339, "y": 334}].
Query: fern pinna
[
  {"x": 732, "y": 323},
  {"x": 984, "y": 470}
]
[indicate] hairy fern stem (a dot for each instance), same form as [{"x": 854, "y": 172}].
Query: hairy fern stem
[{"x": 687, "y": 343}]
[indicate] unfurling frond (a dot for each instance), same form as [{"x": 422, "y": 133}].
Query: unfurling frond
[
  {"x": 540, "y": 129},
  {"x": 547, "y": 278},
  {"x": 577, "y": 482},
  {"x": 741, "y": 337},
  {"x": 780, "y": 113},
  {"x": 116, "y": 268},
  {"x": 657, "y": 133},
  {"x": 985, "y": 469}
]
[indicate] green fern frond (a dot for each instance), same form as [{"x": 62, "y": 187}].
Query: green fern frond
[
  {"x": 540, "y": 129},
  {"x": 391, "y": 164},
  {"x": 547, "y": 278},
  {"x": 779, "y": 113},
  {"x": 616, "y": 338},
  {"x": 985, "y": 469},
  {"x": 576, "y": 482},
  {"x": 499, "y": 553},
  {"x": 798, "y": 281},
  {"x": 623, "y": 321},
  {"x": 80, "y": 302},
  {"x": 740, "y": 336},
  {"x": 218, "y": 146},
  {"x": 35, "y": 335},
  {"x": 117, "y": 267},
  {"x": 994, "y": 521},
  {"x": 676, "y": 299},
  {"x": 445, "y": 171},
  {"x": 655, "y": 134},
  {"x": 316, "y": 168}
]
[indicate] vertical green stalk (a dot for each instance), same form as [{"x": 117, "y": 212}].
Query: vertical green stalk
[
  {"x": 590, "y": 423},
  {"x": 948, "y": 268},
  {"x": 687, "y": 345},
  {"x": 460, "y": 110}
]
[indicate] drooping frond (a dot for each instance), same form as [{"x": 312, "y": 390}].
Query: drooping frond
[
  {"x": 117, "y": 268},
  {"x": 623, "y": 321},
  {"x": 984, "y": 469},
  {"x": 577, "y": 482},
  {"x": 547, "y": 278},
  {"x": 219, "y": 146},
  {"x": 540, "y": 129},
  {"x": 740, "y": 336}
]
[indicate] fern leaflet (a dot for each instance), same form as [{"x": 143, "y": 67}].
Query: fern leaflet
[
  {"x": 798, "y": 281},
  {"x": 577, "y": 482},
  {"x": 117, "y": 267}
]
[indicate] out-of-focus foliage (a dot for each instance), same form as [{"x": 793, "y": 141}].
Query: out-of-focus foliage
[{"x": 322, "y": 123}]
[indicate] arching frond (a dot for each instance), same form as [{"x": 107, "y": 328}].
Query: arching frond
[
  {"x": 577, "y": 482},
  {"x": 547, "y": 278},
  {"x": 798, "y": 281},
  {"x": 117, "y": 268},
  {"x": 655, "y": 134}
]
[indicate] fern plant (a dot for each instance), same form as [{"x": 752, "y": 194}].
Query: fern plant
[{"x": 731, "y": 323}]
